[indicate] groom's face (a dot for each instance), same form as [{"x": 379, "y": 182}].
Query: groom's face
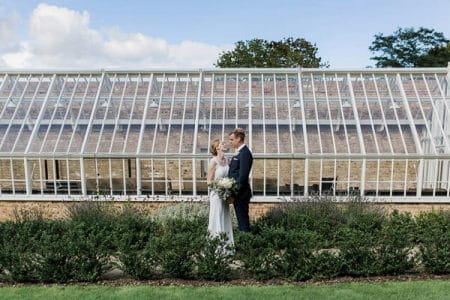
[{"x": 234, "y": 141}]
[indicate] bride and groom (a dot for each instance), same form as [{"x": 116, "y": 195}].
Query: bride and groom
[{"x": 238, "y": 167}]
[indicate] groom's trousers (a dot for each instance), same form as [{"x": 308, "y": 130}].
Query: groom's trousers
[{"x": 241, "y": 206}]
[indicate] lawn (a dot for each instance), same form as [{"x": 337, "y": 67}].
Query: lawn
[{"x": 432, "y": 289}]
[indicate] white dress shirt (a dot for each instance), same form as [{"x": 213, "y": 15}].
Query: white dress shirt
[{"x": 240, "y": 147}]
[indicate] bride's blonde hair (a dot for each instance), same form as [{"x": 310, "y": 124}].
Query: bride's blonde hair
[{"x": 214, "y": 144}]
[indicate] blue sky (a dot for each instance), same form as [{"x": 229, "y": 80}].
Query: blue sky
[{"x": 194, "y": 32}]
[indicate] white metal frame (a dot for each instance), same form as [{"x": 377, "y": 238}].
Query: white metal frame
[{"x": 432, "y": 170}]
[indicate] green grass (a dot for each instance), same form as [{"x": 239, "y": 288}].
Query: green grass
[{"x": 435, "y": 289}]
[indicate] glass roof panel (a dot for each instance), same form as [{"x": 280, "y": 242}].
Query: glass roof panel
[{"x": 386, "y": 112}]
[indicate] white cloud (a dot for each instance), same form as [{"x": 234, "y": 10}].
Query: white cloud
[
  {"x": 8, "y": 31},
  {"x": 61, "y": 37}
]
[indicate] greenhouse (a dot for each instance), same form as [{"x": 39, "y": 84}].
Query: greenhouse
[{"x": 145, "y": 134}]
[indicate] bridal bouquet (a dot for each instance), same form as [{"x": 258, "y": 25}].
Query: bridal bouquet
[{"x": 224, "y": 187}]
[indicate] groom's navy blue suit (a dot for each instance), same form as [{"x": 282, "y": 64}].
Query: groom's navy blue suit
[{"x": 240, "y": 166}]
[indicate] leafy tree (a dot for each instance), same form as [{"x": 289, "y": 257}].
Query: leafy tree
[
  {"x": 408, "y": 47},
  {"x": 260, "y": 53},
  {"x": 436, "y": 57}
]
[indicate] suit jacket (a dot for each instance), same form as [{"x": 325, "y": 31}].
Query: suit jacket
[{"x": 240, "y": 166}]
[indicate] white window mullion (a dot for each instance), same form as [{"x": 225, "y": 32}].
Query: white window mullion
[
  {"x": 194, "y": 146},
  {"x": 92, "y": 116},
  {"x": 415, "y": 136},
  {"x": 277, "y": 132},
  {"x": 319, "y": 135},
  {"x": 383, "y": 114},
  {"x": 305, "y": 133},
  {"x": 189, "y": 79},
  {"x": 237, "y": 100},
  {"x": 290, "y": 133},
  {"x": 395, "y": 113},
  {"x": 4, "y": 109},
  {"x": 69, "y": 108},
  {"x": 224, "y": 106},
  {"x": 144, "y": 115},
  {"x": 19, "y": 104},
  {"x": 107, "y": 110},
  {"x": 41, "y": 114},
  {"x": 264, "y": 135},
  {"x": 119, "y": 110},
  {"x": 360, "y": 135},
  {"x": 370, "y": 114},
  {"x": 77, "y": 120},
  {"x": 53, "y": 115},
  {"x": 133, "y": 107},
  {"x": 211, "y": 110}
]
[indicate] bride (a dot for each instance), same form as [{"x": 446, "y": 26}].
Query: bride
[{"x": 219, "y": 210}]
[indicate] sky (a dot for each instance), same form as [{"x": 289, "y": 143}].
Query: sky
[{"x": 93, "y": 34}]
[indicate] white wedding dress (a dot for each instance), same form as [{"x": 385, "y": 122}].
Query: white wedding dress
[{"x": 219, "y": 210}]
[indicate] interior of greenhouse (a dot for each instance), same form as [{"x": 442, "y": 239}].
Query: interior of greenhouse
[{"x": 379, "y": 133}]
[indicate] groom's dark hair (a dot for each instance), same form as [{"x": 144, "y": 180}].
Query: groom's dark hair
[{"x": 240, "y": 133}]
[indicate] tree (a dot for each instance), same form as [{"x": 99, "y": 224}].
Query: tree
[
  {"x": 259, "y": 53},
  {"x": 436, "y": 57},
  {"x": 408, "y": 47}
]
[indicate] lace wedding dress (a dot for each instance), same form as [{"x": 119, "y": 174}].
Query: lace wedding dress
[{"x": 219, "y": 210}]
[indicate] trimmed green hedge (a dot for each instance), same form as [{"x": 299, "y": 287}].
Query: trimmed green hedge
[{"x": 297, "y": 241}]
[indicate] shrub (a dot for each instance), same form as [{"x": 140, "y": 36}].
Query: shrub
[
  {"x": 433, "y": 236},
  {"x": 133, "y": 235},
  {"x": 395, "y": 244},
  {"x": 52, "y": 251},
  {"x": 317, "y": 239},
  {"x": 214, "y": 259},
  {"x": 260, "y": 254}
]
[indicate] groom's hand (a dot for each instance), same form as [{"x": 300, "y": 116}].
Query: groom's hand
[{"x": 230, "y": 200}]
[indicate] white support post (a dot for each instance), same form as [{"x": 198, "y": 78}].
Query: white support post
[
  {"x": 28, "y": 176},
  {"x": 290, "y": 133},
  {"x": 332, "y": 132},
  {"x": 305, "y": 133},
  {"x": 236, "y": 113},
  {"x": 54, "y": 176},
  {"x": 83, "y": 178},
  {"x": 194, "y": 144},
  {"x": 141, "y": 137},
  {"x": 277, "y": 131},
  {"x": 169, "y": 129},
  {"x": 211, "y": 110},
  {"x": 264, "y": 136},
  {"x": 41, "y": 176},
  {"x": 344, "y": 125},
  {"x": 250, "y": 122},
  {"x": 413, "y": 130},
  {"x": 360, "y": 135},
  {"x": 224, "y": 105}
]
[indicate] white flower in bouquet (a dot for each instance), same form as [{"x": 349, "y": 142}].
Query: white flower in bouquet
[
  {"x": 224, "y": 187},
  {"x": 226, "y": 182}
]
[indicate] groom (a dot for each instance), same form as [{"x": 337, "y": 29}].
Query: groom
[{"x": 240, "y": 166}]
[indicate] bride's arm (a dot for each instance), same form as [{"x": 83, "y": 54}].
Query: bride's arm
[{"x": 211, "y": 170}]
